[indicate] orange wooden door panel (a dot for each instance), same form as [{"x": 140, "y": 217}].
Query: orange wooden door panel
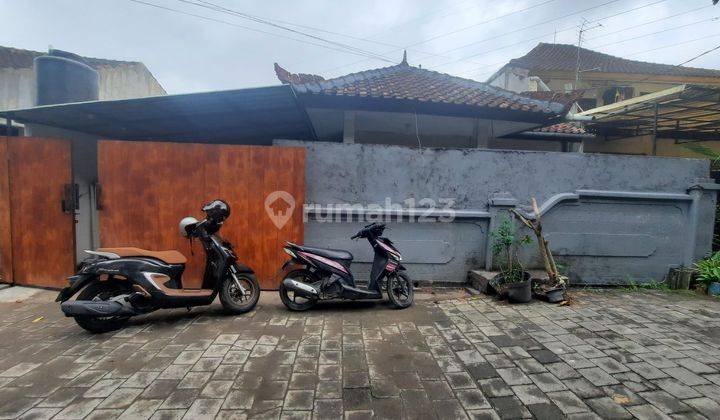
[
  {"x": 5, "y": 238},
  {"x": 149, "y": 186},
  {"x": 42, "y": 235}
]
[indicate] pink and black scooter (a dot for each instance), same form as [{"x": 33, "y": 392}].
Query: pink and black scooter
[{"x": 315, "y": 274}]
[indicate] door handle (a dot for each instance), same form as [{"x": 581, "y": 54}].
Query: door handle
[{"x": 71, "y": 198}]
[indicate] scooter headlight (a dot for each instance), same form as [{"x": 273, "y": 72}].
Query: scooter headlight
[{"x": 289, "y": 252}]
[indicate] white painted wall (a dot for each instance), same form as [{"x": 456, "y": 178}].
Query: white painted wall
[{"x": 512, "y": 78}]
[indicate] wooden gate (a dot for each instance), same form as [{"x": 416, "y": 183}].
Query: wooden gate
[
  {"x": 147, "y": 187},
  {"x": 37, "y": 238}
]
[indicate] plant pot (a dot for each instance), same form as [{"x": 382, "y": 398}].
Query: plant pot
[
  {"x": 555, "y": 295},
  {"x": 520, "y": 292},
  {"x": 714, "y": 289}
]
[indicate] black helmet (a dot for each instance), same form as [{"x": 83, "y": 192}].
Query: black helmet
[{"x": 217, "y": 210}]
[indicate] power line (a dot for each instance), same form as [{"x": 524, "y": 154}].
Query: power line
[
  {"x": 699, "y": 55},
  {"x": 448, "y": 33},
  {"x": 574, "y": 27},
  {"x": 675, "y": 44},
  {"x": 215, "y": 7},
  {"x": 647, "y": 23},
  {"x": 655, "y": 33},
  {"x": 237, "y": 26},
  {"x": 555, "y": 32},
  {"x": 275, "y": 22},
  {"x": 525, "y": 28}
]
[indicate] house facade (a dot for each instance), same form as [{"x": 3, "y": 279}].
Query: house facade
[{"x": 401, "y": 143}]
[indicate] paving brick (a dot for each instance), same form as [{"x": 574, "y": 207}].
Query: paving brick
[
  {"x": 674, "y": 387},
  {"x": 605, "y": 407},
  {"x": 583, "y": 388},
  {"x": 685, "y": 376},
  {"x": 472, "y": 399},
  {"x": 568, "y": 402},
  {"x": 647, "y": 412},
  {"x": 203, "y": 408},
  {"x": 705, "y": 406},
  {"x": 665, "y": 402},
  {"x": 450, "y": 409},
  {"x": 529, "y": 394},
  {"x": 460, "y": 380},
  {"x": 598, "y": 376},
  {"x": 514, "y": 376},
  {"x": 547, "y": 382},
  {"x": 510, "y": 408}
]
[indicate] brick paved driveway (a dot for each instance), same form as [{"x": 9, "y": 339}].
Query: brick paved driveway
[{"x": 613, "y": 355}]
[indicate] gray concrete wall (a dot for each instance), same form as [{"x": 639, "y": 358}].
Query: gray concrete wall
[{"x": 609, "y": 218}]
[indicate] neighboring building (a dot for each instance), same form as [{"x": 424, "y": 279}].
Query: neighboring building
[
  {"x": 411, "y": 106},
  {"x": 118, "y": 79},
  {"x": 603, "y": 80}
]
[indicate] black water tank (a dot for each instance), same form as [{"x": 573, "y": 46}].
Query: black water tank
[{"x": 62, "y": 77}]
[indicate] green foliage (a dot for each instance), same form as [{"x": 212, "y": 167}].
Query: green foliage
[
  {"x": 709, "y": 269},
  {"x": 505, "y": 248},
  {"x": 704, "y": 151}
]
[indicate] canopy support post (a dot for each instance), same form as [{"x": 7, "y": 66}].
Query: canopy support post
[{"x": 654, "y": 131}]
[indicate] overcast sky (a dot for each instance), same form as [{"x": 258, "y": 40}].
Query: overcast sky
[{"x": 468, "y": 38}]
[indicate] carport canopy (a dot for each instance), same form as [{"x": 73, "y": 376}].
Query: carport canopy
[
  {"x": 684, "y": 112},
  {"x": 254, "y": 115}
]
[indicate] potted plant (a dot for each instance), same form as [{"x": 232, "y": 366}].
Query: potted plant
[
  {"x": 513, "y": 280},
  {"x": 708, "y": 272},
  {"x": 553, "y": 288}
]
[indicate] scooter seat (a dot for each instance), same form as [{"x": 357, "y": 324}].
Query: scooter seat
[
  {"x": 169, "y": 257},
  {"x": 333, "y": 254}
]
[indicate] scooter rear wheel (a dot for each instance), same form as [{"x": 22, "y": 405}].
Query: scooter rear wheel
[
  {"x": 288, "y": 297},
  {"x": 400, "y": 290},
  {"x": 101, "y": 291},
  {"x": 232, "y": 298}
]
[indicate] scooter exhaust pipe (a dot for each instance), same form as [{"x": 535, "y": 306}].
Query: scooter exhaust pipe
[
  {"x": 302, "y": 289},
  {"x": 97, "y": 308}
]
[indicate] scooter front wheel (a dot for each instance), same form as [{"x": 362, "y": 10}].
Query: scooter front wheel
[
  {"x": 400, "y": 290},
  {"x": 290, "y": 299},
  {"x": 239, "y": 300}
]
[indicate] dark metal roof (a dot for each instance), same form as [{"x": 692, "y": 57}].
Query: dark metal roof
[{"x": 255, "y": 115}]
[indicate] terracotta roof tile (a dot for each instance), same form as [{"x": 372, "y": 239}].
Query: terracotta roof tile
[
  {"x": 563, "y": 57},
  {"x": 562, "y": 128},
  {"x": 406, "y": 82}
]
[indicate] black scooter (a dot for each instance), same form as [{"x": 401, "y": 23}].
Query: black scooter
[
  {"x": 118, "y": 283},
  {"x": 314, "y": 274}
]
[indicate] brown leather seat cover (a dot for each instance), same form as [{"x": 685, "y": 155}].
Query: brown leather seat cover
[{"x": 170, "y": 257}]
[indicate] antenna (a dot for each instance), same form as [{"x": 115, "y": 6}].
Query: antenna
[{"x": 582, "y": 30}]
